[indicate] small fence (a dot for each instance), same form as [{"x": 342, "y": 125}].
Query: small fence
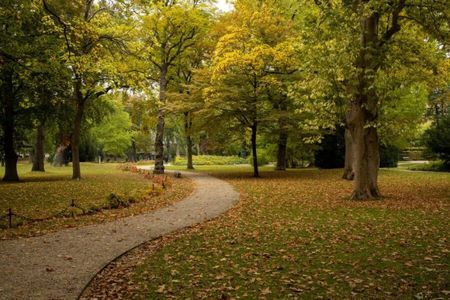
[{"x": 13, "y": 219}]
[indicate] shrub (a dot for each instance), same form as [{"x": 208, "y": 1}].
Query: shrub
[
  {"x": 389, "y": 155},
  {"x": 331, "y": 153},
  {"x": 118, "y": 201},
  {"x": 128, "y": 167},
  {"x": 263, "y": 157},
  {"x": 437, "y": 139},
  {"x": 437, "y": 166},
  {"x": 207, "y": 160}
]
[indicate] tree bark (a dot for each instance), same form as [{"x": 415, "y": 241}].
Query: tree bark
[
  {"x": 349, "y": 174},
  {"x": 39, "y": 154},
  {"x": 282, "y": 139},
  {"x": 76, "y": 134},
  {"x": 254, "y": 153},
  {"x": 281, "y": 153},
  {"x": 59, "y": 159},
  {"x": 132, "y": 156},
  {"x": 159, "y": 139},
  {"x": 187, "y": 130},
  {"x": 8, "y": 127},
  {"x": 363, "y": 112}
]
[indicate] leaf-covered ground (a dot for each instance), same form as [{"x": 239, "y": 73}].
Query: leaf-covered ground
[
  {"x": 296, "y": 235},
  {"x": 40, "y": 195}
]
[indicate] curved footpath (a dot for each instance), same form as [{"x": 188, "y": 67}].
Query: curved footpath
[{"x": 60, "y": 264}]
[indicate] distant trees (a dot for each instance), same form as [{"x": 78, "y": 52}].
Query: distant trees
[{"x": 279, "y": 75}]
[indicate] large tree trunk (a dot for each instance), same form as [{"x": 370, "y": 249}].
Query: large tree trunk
[
  {"x": 8, "y": 127},
  {"x": 159, "y": 139},
  {"x": 363, "y": 112},
  {"x": 39, "y": 154},
  {"x": 187, "y": 130},
  {"x": 254, "y": 153},
  {"x": 59, "y": 159},
  {"x": 349, "y": 174},
  {"x": 366, "y": 155}
]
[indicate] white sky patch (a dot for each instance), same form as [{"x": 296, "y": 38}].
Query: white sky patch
[{"x": 224, "y": 5}]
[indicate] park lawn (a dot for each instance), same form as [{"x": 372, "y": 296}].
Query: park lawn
[
  {"x": 40, "y": 195},
  {"x": 295, "y": 234}
]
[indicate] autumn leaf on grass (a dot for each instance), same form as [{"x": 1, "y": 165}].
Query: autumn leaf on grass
[{"x": 161, "y": 289}]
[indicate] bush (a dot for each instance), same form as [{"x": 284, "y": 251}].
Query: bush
[
  {"x": 263, "y": 157},
  {"x": 207, "y": 160},
  {"x": 331, "y": 153},
  {"x": 389, "y": 156},
  {"x": 116, "y": 201},
  {"x": 437, "y": 166},
  {"x": 437, "y": 139}
]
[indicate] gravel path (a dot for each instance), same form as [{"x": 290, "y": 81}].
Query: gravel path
[{"x": 60, "y": 264}]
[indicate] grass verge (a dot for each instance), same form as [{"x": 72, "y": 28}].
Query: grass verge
[{"x": 40, "y": 195}]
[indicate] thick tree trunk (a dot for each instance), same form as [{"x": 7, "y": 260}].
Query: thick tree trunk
[
  {"x": 187, "y": 130},
  {"x": 8, "y": 127},
  {"x": 159, "y": 139},
  {"x": 367, "y": 160},
  {"x": 363, "y": 111},
  {"x": 59, "y": 159},
  {"x": 254, "y": 153},
  {"x": 281, "y": 153},
  {"x": 349, "y": 174},
  {"x": 39, "y": 154}
]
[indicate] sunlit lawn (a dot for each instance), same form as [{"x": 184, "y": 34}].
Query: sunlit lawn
[
  {"x": 296, "y": 235},
  {"x": 40, "y": 195}
]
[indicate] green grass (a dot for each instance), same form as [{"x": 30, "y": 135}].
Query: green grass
[
  {"x": 296, "y": 235},
  {"x": 433, "y": 166},
  {"x": 40, "y": 195}
]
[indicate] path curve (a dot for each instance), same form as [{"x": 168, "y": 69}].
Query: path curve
[{"x": 58, "y": 265}]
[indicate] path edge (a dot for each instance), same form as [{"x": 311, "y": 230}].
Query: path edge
[{"x": 87, "y": 285}]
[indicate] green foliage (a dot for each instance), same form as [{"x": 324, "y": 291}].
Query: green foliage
[
  {"x": 437, "y": 139},
  {"x": 114, "y": 133},
  {"x": 331, "y": 151},
  {"x": 436, "y": 166},
  {"x": 389, "y": 156},
  {"x": 263, "y": 155},
  {"x": 209, "y": 160}
]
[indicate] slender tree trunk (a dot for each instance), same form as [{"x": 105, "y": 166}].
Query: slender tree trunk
[
  {"x": 76, "y": 134},
  {"x": 282, "y": 139},
  {"x": 159, "y": 139},
  {"x": 8, "y": 127},
  {"x": 349, "y": 156},
  {"x": 187, "y": 130},
  {"x": 281, "y": 153},
  {"x": 254, "y": 153},
  {"x": 39, "y": 154},
  {"x": 76, "y": 138}
]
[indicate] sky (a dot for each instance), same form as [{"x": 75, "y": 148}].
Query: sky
[{"x": 224, "y": 6}]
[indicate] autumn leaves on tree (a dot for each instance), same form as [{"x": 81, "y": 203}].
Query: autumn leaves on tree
[{"x": 290, "y": 70}]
